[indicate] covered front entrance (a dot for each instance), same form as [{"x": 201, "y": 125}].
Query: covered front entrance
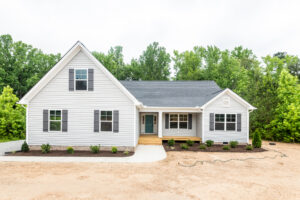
[{"x": 148, "y": 123}]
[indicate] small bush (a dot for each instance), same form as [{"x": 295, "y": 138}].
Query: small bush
[
  {"x": 256, "y": 141},
  {"x": 114, "y": 150},
  {"x": 70, "y": 150},
  {"x": 25, "y": 147},
  {"x": 209, "y": 143},
  {"x": 184, "y": 146},
  {"x": 171, "y": 143},
  {"x": 226, "y": 147},
  {"x": 202, "y": 146},
  {"x": 233, "y": 144},
  {"x": 45, "y": 148},
  {"x": 126, "y": 152},
  {"x": 190, "y": 142},
  {"x": 95, "y": 149},
  {"x": 249, "y": 147}
]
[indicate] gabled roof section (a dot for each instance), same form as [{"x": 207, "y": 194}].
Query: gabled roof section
[
  {"x": 78, "y": 46},
  {"x": 233, "y": 95},
  {"x": 173, "y": 93}
]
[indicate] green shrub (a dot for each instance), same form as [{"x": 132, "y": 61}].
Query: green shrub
[
  {"x": 171, "y": 143},
  {"x": 256, "y": 141},
  {"x": 114, "y": 150},
  {"x": 95, "y": 149},
  {"x": 184, "y": 146},
  {"x": 25, "y": 147},
  {"x": 249, "y": 147},
  {"x": 202, "y": 146},
  {"x": 190, "y": 142},
  {"x": 70, "y": 150},
  {"x": 226, "y": 147},
  {"x": 233, "y": 144},
  {"x": 45, "y": 148},
  {"x": 126, "y": 152},
  {"x": 209, "y": 143}
]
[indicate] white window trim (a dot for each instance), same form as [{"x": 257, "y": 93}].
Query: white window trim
[
  {"x": 178, "y": 121},
  {"x": 87, "y": 79},
  {"x": 112, "y": 120},
  {"x": 225, "y": 122},
  {"x": 55, "y": 120}
]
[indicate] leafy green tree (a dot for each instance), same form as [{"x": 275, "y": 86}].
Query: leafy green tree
[
  {"x": 154, "y": 63},
  {"x": 286, "y": 124},
  {"x": 21, "y": 65},
  {"x": 293, "y": 63},
  {"x": 12, "y": 116}
]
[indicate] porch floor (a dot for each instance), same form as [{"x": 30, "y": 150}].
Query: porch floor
[{"x": 153, "y": 139}]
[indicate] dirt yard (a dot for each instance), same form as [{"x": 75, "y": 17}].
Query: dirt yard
[{"x": 268, "y": 178}]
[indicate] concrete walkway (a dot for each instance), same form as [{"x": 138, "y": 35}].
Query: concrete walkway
[
  {"x": 143, "y": 154},
  {"x": 10, "y": 146}
]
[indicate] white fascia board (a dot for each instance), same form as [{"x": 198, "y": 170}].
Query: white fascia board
[
  {"x": 233, "y": 95},
  {"x": 170, "y": 109}
]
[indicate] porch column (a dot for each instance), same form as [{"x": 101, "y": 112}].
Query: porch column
[{"x": 160, "y": 124}]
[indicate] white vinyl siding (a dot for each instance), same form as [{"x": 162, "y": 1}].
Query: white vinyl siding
[
  {"x": 218, "y": 107},
  {"x": 81, "y": 106}
]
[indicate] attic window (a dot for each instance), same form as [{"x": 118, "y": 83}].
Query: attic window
[{"x": 81, "y": 79}]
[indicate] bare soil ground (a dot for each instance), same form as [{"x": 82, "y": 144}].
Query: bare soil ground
[{"x": 277, "y": 178}]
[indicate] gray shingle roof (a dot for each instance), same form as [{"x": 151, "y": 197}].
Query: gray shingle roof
[{"x": 173, "y": 93}]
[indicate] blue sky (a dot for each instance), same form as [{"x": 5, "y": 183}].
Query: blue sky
[{"x": 54, "y": 26}]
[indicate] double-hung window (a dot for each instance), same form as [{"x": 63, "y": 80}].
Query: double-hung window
[
  {"x": 183, "y": 121},
  {"x": 106, "y": 120},
  {"x": 81, "y": 79},
  {"x": 225, "y": 122},
  {"x": 55, "y": 120},
  {"x": 173, "y": 120}
]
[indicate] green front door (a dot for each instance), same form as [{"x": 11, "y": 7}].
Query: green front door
[{"x": 149, "y": 124}]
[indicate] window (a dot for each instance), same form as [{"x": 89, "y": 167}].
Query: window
[
  {"x": 183, "y": 121},
  {"x": 143, "y": 119},
  {"x": 173, "y": 120},
  {"x": 154, "y": 119},
  {"x": 81, "y": 79},
  {"x": 55, "y": 120},
  {"x": 225, "y": 122},
  {"x": 230, "y": 122},
  {"x": 106, "y": 120},
  {"x": 219, "y": 122}
]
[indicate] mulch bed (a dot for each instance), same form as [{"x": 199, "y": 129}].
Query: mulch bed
[
  {"x": 213, "y": 148},
  {"x": 59, "y": 153}
]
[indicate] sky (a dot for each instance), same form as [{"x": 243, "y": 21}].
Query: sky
[{"x": 265, "y": 27}]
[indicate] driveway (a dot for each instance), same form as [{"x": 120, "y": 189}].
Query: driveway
[{"x": 270, "y": 177}]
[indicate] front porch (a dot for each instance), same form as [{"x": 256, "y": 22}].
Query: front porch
[{"x": 155, "y": 140}]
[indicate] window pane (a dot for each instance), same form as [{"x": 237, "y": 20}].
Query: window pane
[
  {"x": 81, "y": 74},
  {"x": 219, "y": 117},
  {"x": 219, "y": 126},
  {"x": 106, "y": 126},
  {"x": 174, "y": 118},
  {"x": 230, "y": 126},
  {"x": 55, "y": 125},
  {"x": 183, "y": 125},
  {"x": 183, "y": 117},
  {"x": 58, "y": 115},
  {"x": 81, "y": 85},
  {"x": 173, "y": 125},
  {"x": 230, "y": 117}
]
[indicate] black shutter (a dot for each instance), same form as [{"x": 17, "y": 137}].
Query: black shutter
[
  {"x": 71, "y": 79},
  {"x": 45, "y": 120},
  {"x": 96, "y": 120},
  {"x": 91, "y": 79},
  {"x": 167, "y": 121},
  {"x": 239, "y": 122},
  {"x": 190, "y": 121},
  {"x": 64, "y": 120},
  {"x": 211, "y": 121},
  {"x": 116, "y": 121}
]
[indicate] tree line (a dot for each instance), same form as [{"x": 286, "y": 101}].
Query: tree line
[{"x": 270, "y": 84}]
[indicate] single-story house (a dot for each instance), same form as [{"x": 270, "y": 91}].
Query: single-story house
[{"x": 80, "y": 103}]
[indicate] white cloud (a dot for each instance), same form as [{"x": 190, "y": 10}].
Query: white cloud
[{"x": 263, "y": 26}]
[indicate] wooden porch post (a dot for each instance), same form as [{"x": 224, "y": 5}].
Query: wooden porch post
[{"x": 160, "y": 124}]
